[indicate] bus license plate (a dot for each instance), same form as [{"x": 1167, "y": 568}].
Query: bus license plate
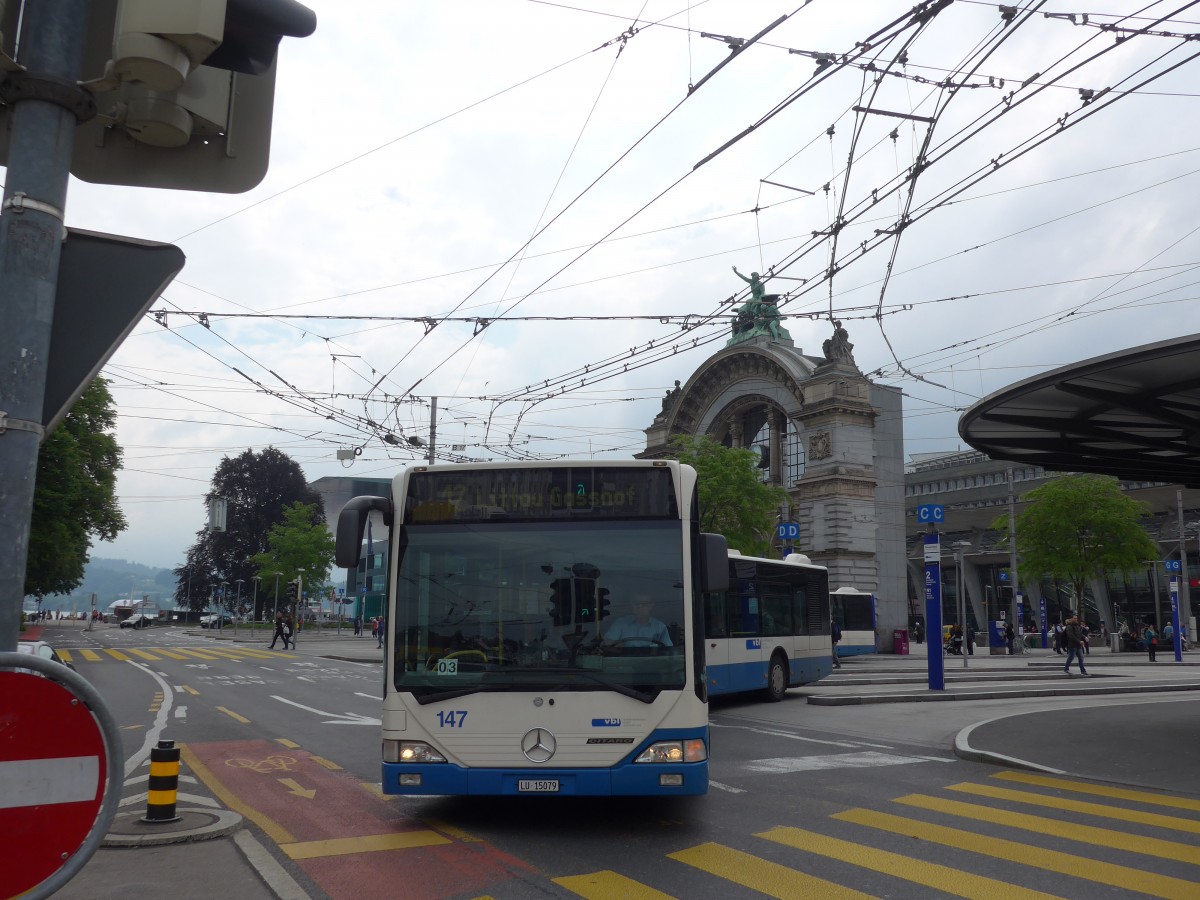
[{"x": 538, "y": 787}]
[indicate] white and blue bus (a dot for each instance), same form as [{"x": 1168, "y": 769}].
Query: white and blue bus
[
  {"x": 854, "y": 611},
  {"x": 541, "y": 634},
  {"x": 769, "y": 630}
]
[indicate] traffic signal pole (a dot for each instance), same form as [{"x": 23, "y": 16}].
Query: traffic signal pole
[{"x": 46, "y": 106}]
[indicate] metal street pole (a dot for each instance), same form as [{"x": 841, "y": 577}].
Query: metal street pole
[
  {"x": 46, "y": 107},
  {"x": 959, "y": 546},
  {"x": 1019, "y": 643},
  {"x": 276, "y": 613},
  {"x": 237, "y": 606},
  {"x": 254, "y": 604}
]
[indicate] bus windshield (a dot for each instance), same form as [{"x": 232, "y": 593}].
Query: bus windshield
[{"x": 501, "y": 606}]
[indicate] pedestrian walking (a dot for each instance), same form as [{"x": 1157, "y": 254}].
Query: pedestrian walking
[
  {"x": 835, "y": 636},
  {"x": 1009, "y": 637},
  {"x": 1074, "y": 636},
  {"x": 358, "y": 626},
  {"x": 1150, "y": 636},
  {"x": 289, "y": 633},
  {"x": 278, "y": 632},
  {"x": 1060, "y": 641},
  {"x": 382, "y": 629},
  {"x": 970, "y": 639}
]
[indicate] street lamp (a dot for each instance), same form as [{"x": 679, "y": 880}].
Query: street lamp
[
  {"x": 277, "y": 574},
  {"x": 224, "y": 601},
  {"x": 959, "y": 547},
  {"x": 254, "y": 603},
  {"x": 237, "y": 606}
]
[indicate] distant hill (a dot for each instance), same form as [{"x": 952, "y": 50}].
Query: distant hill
[{"x": 112, "y": 579}]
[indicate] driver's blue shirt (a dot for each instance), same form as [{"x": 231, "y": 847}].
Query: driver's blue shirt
[{"x": 628, "y": 629}]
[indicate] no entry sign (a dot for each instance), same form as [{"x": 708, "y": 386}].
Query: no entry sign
[{"x": 52, "y": 772}]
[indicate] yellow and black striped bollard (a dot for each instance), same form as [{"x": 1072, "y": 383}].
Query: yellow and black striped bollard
[{"x": 164, "y": 784}]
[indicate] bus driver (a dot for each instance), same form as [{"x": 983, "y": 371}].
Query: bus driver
[{"x": 639, "y": 629}]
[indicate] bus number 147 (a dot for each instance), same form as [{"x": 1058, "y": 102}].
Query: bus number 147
[{"x": 453, "y": 718}]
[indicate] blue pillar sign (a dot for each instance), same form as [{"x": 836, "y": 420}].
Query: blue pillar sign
[
  {"x": 1042, "y": 621},
  {"x": 933, "y": 610},
  {"x": 1176, "y": 638}
]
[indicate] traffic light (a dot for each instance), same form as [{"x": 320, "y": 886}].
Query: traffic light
[
  {"x": 602, "y": 608},
  {"x": 184, "y": 91},
  {"x": 292, "y": 590}
]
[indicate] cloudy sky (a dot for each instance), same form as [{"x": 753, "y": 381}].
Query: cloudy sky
[{"x": 530, "y": 211}]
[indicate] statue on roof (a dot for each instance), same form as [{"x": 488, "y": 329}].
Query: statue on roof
[
  {"x": 837, "y": 349},
  {"x": 759, "y": 315}
]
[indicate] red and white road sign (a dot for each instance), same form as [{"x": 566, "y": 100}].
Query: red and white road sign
[{"x": 52, "y": 771}]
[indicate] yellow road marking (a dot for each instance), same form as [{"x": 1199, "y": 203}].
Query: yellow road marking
[
  {"x": 170, "y": 654},
  {"x": 257, "y": 654},
  {"x": 403, "y": 840},
  {"x": 444, "y": 827},
  {"x": 90, "y": 655},
  {"x": 322, "y": 761},
  {"x": 608, "y": 885},
  {"x": 939, "y": 877},
  {"x": 291, "y": 745},
  {"x": 223, "y": 653},
  {"x": 190, "y": 690},
  {"x": 762, "y": 875},
  {"x": 1100, "y": 837},
  {"x": 1137, "y": 880},
  {"x": 142, "y": 653},
  {"x": 65, "y": 656},
  {"x": 196, "y": 654},
  {"x": 1080, "y": 787},
  {"x": 273, "y": 829},
  {"x": 117, "y": 654},
  {"x": 1092, "y": 809},
  {"x": 233, "y": 715}
]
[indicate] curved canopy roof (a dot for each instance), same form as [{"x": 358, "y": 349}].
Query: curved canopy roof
[{"x": 1134, "y": 414}]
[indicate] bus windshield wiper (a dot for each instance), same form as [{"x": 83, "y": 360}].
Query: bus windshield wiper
[{"x": 451, "y": 694}]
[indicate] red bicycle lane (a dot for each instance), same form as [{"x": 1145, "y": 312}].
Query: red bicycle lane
[{"x": 351, "y": 842}]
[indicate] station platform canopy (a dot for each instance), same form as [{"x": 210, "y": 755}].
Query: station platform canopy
[{"x": 1133, "y": 414}]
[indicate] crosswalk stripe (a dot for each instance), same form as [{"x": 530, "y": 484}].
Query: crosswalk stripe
[
  {"x": 761, "y": 875},
  {"x": 118, "y": 655},
  {"x": 1100, "y": 790},
  {"x": 1027, "y": 854},
  {"x": 222, "y": 652},
  {"x": 1088, "y": 834},
  {"x": 932, "y": 875},
  {"x": 258, "y": 654},
  {"x": 1174, "y": 823},
  {"x": 609, "y": 885},
  {"x": 90, "y": 655},
  {"x": 196, "y": 654},
  {"x": 65, "y": 656},
  {"x": 169, "y": 654},
  {"x": 142, "y": 653}
]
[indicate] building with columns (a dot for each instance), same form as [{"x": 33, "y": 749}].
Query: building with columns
[{"x": 826, "y": 433}]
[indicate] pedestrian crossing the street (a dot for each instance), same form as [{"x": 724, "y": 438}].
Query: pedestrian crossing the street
[
  {"x": 1049, "y": 836},
  {"x": 84, "y": 656}
]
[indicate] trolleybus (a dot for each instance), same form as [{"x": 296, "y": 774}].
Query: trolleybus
[
  {"x": 769, "y": 630},
  {"x": 541, "y": 628},
  {"x": 854, "y": 611}
]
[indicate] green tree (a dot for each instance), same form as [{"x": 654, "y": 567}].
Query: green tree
[
  {"x": 300, "y": 544},
  {"x": 75, "y": 495},
  {"x": 256, "y": 487},
  {"x": 733, "y": 502},
  {"x": 1077, "y": 527}
]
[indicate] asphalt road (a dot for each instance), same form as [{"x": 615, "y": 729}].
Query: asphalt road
[{"x": 805, "y": 801}]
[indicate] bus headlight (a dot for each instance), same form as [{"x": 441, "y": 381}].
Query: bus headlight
[
  {"x": 674, "y": 752},
  {"x": 410, "y": 752}
]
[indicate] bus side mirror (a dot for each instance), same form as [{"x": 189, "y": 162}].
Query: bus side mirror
[
  {"x": 714, "y": 564},
  {"x": 352, "y": 522}
]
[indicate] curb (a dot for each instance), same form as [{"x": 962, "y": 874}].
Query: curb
[
  {"x": 964, "y": 750},
  {"x": 941, "y": 696},
  {"x": 128, "y": 830}
]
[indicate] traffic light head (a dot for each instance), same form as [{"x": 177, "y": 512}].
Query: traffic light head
[
  {"x": 292, "y": 590},
  {"x": 185, "y": 91}
]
